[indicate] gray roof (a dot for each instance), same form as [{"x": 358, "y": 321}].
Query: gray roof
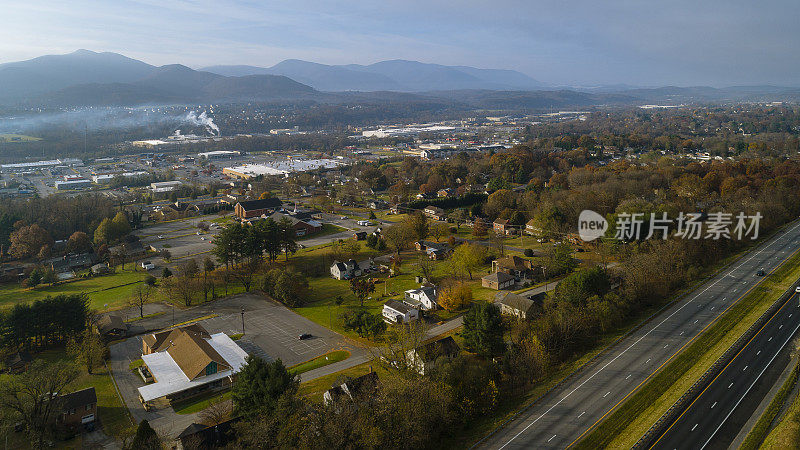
[
  {"x": 398, "y": 306},
  {"x": 78, "y": 399},
  {"x": 500, "y": 277},
  {"x": 517, "y": 302}
]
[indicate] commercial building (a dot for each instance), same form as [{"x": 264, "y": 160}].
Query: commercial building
[
  {"x": 284, "y": 168},
  {"x": 219, "y": 154},
  {"x": 107, "y": 177},
  {"x": 256, "y": 208},
  {"x": 21, "y": 167},
  {"x": 187, "y": 361},
  {"x": 72, "y": 184},
  {"x": 165, "y": 186}
]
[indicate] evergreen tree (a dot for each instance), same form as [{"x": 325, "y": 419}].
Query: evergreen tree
[
  {"x": 483, "y": 330},
  {"x": 146, "y": 438},
  {"x": 259, "y": 384}
]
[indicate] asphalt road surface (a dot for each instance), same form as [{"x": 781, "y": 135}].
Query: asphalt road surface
[
  {"x": 569, "y": 412},
  {"x": 701, "y": 424}
]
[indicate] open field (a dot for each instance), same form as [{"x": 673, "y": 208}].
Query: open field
[
  {"x": 634, "y": 417},
  {"x": 17, "y": 138},
  {"x": 786, "y": 433},
  {"x": 104, "y": 292},
  {"x": 320, "y": 361}
]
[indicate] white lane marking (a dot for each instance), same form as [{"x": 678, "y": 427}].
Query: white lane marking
[
  {"x": 780, "y": 326},
  {"x": 579, "y": 415},
  {"x": 606, "y": 394},
  {"x": 758, "y": 352},
  {"x": 629, "y": 375},
  {"x": 770, "y": 338},
  {"x": 681, "y": 334},
  {"x": 712, "y": 308},
  {"x": 648, "y": 360},
  {"x": 695, "y": 426},
  {"x": 696, "y": 321},
  {"x": 715, "y": 404},
  {"x": 551, "y": 438},
  {"x": 729, "y": 386},
  {"x": 767, "y": 245},
  {"x": 745, "y": 368},
  {"x": 750, "y": 387},
  {"x": 666, "y": 346}
]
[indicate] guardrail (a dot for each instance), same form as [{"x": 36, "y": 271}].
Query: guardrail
[{"x": 674, "y": 412}]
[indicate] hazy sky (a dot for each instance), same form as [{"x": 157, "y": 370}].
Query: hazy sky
[{"x": 642, "y": 42}]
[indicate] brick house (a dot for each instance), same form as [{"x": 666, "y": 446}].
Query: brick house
[{"x": 255, "y": 208}]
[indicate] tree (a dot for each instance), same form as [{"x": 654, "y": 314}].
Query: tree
[
  {"x": 286, "y": 286},
  {"x": 362, "y": 287},
  {"x": 104, "y": 233},
  {"x": 364, "y": 323},
  {"x": 439, "y": 230},
  {"x": 79, "y": 242},
  {"x": 455, "y": 297},
  {"x": 28, "y": 241},
  {"x": 141, "y": 296},
  {"x": 32, "y": 397},
  {"x": 88, "y": 349},
  {"x": 397, "y": 236},
  {"x": 217, "y": 412},
  {"x": 35, "y": 278},
  {"x": 417, "y": 224},
  {"x": 483, "y": 330},
  {"x": 467, "y": 258},
  {"x": 146, "y": 437},
  {"x": 258, "y": 386},
  {"x": 208, "y": 283},
  {"x": 426, "y": 267},
  {"x": 288, "y": 236},
  {"x": 166, "y": 273},
  {"x": 559, "y": 260},
  {"x": 479, "y": 228}
]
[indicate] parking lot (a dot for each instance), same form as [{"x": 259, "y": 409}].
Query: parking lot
[{"x": 271, "y": 332}]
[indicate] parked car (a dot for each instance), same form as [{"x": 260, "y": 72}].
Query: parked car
[
  {"x": 760, "y": 272},
  {"x": 304, "y": 336},
  {"x": 160, "y": 236},
  {"x": 147, "y": 265}
]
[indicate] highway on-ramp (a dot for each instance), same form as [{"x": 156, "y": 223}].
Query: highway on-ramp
[{"x": 567, "y": 413}]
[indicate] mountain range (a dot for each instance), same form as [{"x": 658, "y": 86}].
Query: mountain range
[
  {"x": 395, "y": 75},
  {"x": 87, "y": 78}
]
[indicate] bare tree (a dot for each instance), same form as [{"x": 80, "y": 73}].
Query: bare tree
[
  {"x": 141, "y": 296},
  {"x": 32, "y": 398},
  {"x": 217, "y": 412},
  {"x": 401, "y": 341}
]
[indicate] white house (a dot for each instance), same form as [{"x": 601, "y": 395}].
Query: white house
[
  {"x": 424, "y": 358},
  {"x": 425, "y": 296},
  {"x": 345, "y": 270},
  {"x": 399, "y": 312}
]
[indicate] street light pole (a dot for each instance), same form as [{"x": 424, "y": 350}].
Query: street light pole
[{"x": 242, "y": 321}]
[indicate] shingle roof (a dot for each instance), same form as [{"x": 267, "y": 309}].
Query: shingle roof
[
  {"x": 445, "y": 346},
  {"x": 398, "y": 306},
  {"x": 192, "y": 353},
  {"x": 517, "y": 302},
  {"x": 78, "y": 399},
  {"x": 271, "y": 202},
  {"x": 110, "y": 322},
  {"x": 500, "y": 277}
]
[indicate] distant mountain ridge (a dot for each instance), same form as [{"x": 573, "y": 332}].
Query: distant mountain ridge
[
  {"x": 393, "y": 75},
  {"x": 86, "y": 78}
]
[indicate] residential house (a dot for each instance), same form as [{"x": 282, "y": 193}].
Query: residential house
[
  {"x": 446, "y": 192},
  {"x": 111, "y": 326},
  {"x": 71, "y": 262},
  {"x": 434, "y": 250},
  {"x": 199, "y": 436},
  {"x": 177, "y": 210},
  {"x": 502, "y": 226},
  {"x": 303, "y": 224},
  {"x": 497, "y": 281},
  {"x": 100, "y": 268},
  {"x": 426, "y": 196},
  {"x": 345, "y": 270},
  {"x": 377, "y": 204},
  {"x": 360, "y": 235},
  {"x": 517, "y": 267},
  {"x": 425, "y": 358},
  {"x": 188, "y": 361},
  {"x": 517, "y": 305},
  {"x": 255, "y": 208},
  {"x": 435, "y": 213},
  {"x": 131, "y": 250},
  {"x": 356, "y": 389},
  {"x": 18, "y": 362},
  {"x": 399, "y": 312},
  {"x": 425, "y": 296},
  {"x": 78, "y": 410}
]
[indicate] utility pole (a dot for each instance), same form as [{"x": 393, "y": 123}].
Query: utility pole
[{"x": 242, "y": 321}]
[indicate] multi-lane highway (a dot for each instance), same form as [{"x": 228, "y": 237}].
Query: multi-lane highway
[
  {"x": 700, "y": 425},
  {"x": 567, "y": 413}
]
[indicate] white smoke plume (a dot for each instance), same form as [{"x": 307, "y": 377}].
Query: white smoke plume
[{"x": 202, "y": 120}]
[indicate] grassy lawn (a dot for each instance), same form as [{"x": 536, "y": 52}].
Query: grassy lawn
[
  {"x": 327, "y": 229},
  {"x": 5, "y": 137},
  {"x": 628, "y": 423},
  {"x": 104, "y": 292},
  {"x": 200, "y": 403},
  {"x": 320, "y": 361},
  {"x": 314, "y": 389}
]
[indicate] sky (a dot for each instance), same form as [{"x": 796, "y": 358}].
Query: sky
[{"x": 561, "y": 42}]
